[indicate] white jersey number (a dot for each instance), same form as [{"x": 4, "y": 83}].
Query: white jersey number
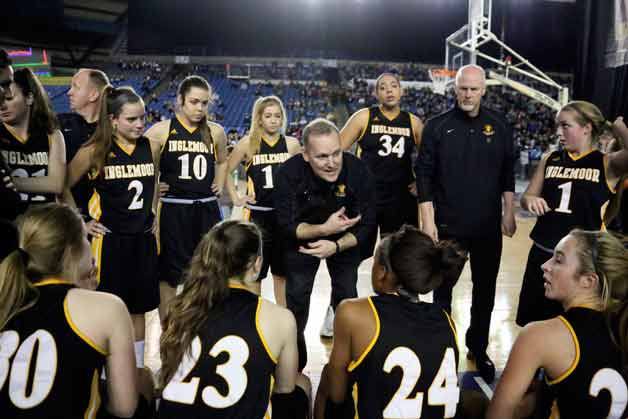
[
  {"x": 387, "y": 143},
  {"x": 232, "y": 372},
  {"x": 199, "y": 167},
  {"x": 565, "y": 196},
  {"x": 268, "y": 177},
  {"x": 137, "y": 202},
  {"x": 23, "y": 173},
  {"x": 45, "y": 364},
  {"x": 443, "y": 391},
  {"x": 611, "y": 381}
]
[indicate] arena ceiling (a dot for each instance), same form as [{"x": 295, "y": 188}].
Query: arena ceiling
[{"x": 74, "y": 31}]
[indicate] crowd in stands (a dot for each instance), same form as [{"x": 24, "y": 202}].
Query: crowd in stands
[{"x": 306, "y": 96}]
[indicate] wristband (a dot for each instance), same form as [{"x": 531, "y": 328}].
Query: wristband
[{"x": 337, "y": 247}]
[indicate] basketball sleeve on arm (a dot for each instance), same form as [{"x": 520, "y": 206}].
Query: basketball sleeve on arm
[{"x": 425, "y": 165}]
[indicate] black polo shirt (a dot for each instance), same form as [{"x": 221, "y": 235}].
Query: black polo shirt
[
  {"x": 303, "y": 197},
  {"x": 463, "y": 166}
]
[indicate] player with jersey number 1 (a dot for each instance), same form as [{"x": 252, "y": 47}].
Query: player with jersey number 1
[
  {"x": 400, "y": 352},
  {"x": 571, "y": 188},
  {"x": 263, "y": 151},
  {"x": 192, "y": 171}
]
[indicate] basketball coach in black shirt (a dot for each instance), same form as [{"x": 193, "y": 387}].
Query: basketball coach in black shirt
[
  {"x": 325, "y": 203},
  {"x": 464, "y": 172}
]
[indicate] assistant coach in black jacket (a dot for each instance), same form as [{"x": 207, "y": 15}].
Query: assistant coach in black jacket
[
  {"x": 464, "y": 170},
  {"x": 325, "y": 203}
]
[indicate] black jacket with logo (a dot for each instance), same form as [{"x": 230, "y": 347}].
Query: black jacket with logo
[
  {"x": 303, "y": 197},
  {"x": 463, "y": 167}
]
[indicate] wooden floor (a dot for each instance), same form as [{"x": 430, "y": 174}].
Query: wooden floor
[{"x": 503, "y": 328}]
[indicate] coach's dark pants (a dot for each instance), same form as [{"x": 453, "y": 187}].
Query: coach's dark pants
[
  {"x": 484, "y": 255},
  {"x": 300, "y": 273}
]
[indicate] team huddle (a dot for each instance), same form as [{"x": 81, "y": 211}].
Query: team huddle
[{"x": 114, "y": 221}]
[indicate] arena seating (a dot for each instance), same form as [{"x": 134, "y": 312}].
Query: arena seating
[{"x": 305, "y": 98}]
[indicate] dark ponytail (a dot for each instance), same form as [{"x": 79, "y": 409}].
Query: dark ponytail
[{"x": 419, "y": 264}]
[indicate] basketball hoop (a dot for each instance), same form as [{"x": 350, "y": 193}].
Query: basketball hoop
[{"x": 441, "y": 77}]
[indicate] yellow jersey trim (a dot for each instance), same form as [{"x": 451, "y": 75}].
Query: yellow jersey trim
[
  {"x": 186, "y": 126},
  {"x": 354, "y": 364},
  {"x": 259, "y": 331},
  {"x": 15, "y": 134},
  {"x": 381, "y": 110},
  {"x": 269, "y": 410},
  {"x": 576, "y": 158},
  {"x": 576, "y": 360},
  {"x": 128, "y": 149},
  {"x": 80, "y": 334},
  {"x": 453, "y": 326},
  {"x": 94, "y": 400},
  {"x": 158, "y": 235},
  {"x": 368, "y": 110},
  {"x": 250, "y": 187},
  {"x": 94, "y": 208},
  {"x": 271, "y": 144},
  {"x": 355, "y": 395},
  {"x": 53, "y": 281},
  {"x": 97, "y": 254}
]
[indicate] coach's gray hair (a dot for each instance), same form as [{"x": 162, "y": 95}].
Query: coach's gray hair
[
  {"x": 319, "y": 126},
  {"x": 469, "y": 67}
]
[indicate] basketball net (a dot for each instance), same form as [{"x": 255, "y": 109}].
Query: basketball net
[{"x": 441, "y": 77}]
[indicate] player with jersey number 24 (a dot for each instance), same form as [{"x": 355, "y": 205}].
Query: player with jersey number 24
[{"x": 400, "y": 352}]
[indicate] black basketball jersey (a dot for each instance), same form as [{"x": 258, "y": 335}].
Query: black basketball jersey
[
  {"x": 123, "y": 191},
  {"x": 262, "y": 168},
  {"x": 48, "y": 369},
  {"x": 187, "y": 164},
  {"x": 594, "y": 386},
  {"x": 577, "y": 192},
  {"x": 76, "y": 132},
  {"x": 228, "y": 371},
  {"x": 26, "y": 158},
  {"x": 410, "y": 368},
  {"x": 386, "y": 147}
]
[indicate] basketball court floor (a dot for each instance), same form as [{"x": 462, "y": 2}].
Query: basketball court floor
[{"x": 503, "y": 328}]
